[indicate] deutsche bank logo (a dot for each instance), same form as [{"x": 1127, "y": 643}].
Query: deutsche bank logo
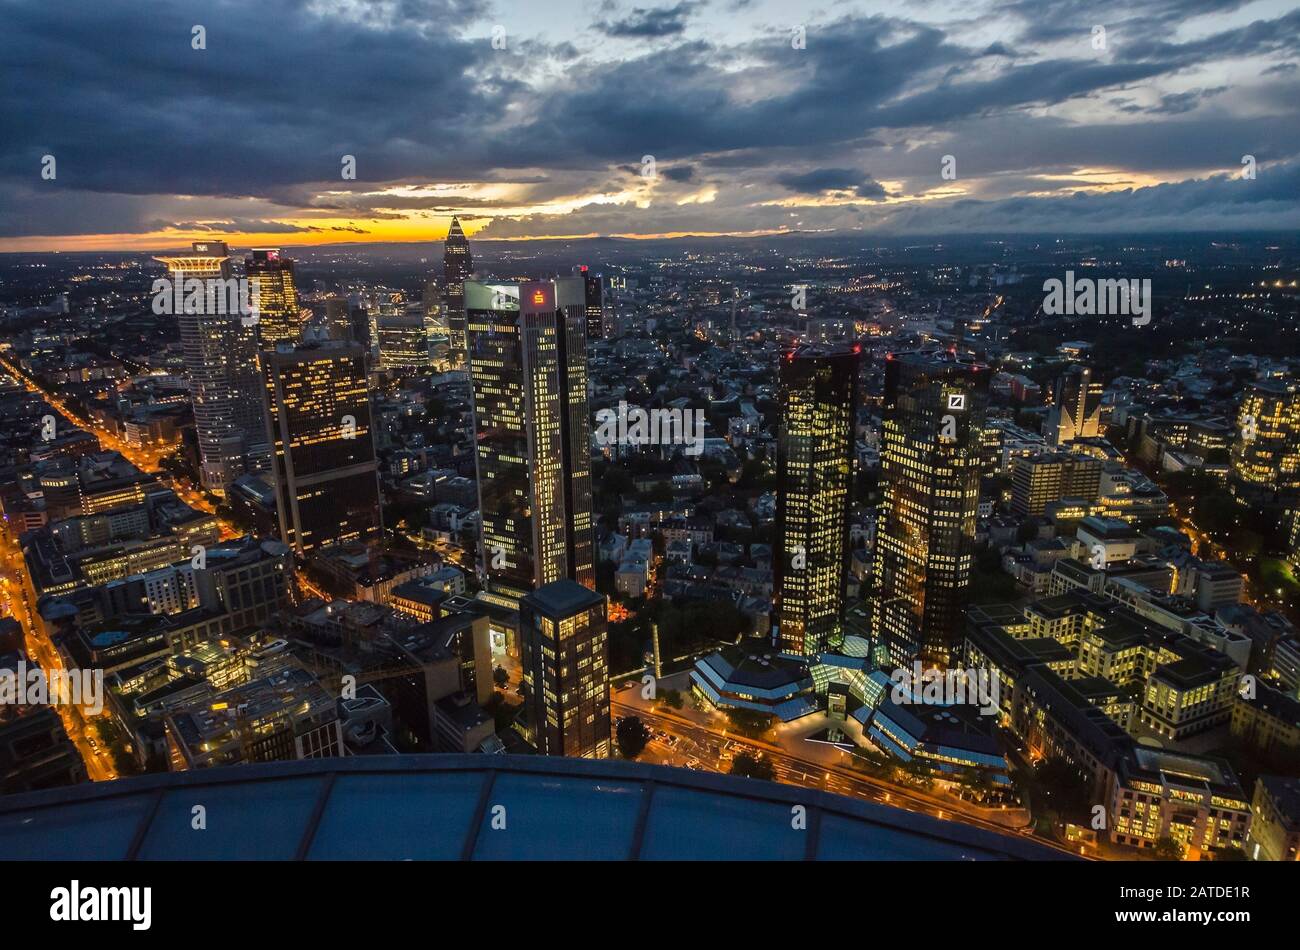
[{"x": 957, "y": 401}]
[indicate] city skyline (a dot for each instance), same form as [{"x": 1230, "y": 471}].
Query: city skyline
[{"x": 619, "y": 432}]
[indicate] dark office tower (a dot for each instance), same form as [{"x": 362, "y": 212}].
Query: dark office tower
[
  {"x": 433, "y": 312},
  {"x": 814, "y": 463},
  {"x": 457, "y": 265},
  {"x": 532, "y": 426},
  {"x": 565, "y": 669},
  {"x": 219, "y": 345},
  {"x": 359, "y": 319},
  {"x": 324, "y": 468},
  {"x": 934, "y": 409},
  {"x": 337, "y": 322},
  {"x": 270, "y": 276},
  {"x": 1076, "y": 407},
  {"x": 595, "y": 305}
]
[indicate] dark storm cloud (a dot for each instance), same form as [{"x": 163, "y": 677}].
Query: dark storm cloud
[
  {"x": 821, "y": 180},
  {"x": 414, "y": 90},
  {"x": 650, "y": 23}
]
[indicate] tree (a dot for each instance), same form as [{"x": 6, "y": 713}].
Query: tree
[
  {"x": 1169, "y": 849},
  {"x": 673, "y": 698},
  {"x": 751, "y": 766},
  {"x": 749, "y": 722},
  {"x": 500, "y": 676},
  {"x": 632, "y": 736},
  {"x": 1064, "y": 788}
]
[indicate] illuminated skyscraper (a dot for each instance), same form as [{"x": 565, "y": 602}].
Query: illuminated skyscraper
[
  {"x": 403, "y": 337},
  {"x": 1266, "y": 453},
  {"x": 277, "y": 297},
  {"x": 1076, "y": 407},
  {"x": 934, "y": 410},
  {"x": 563, "y": 652},
  {"x": 457, "y": 265},
  {"x": 595, "y": 305},
  {"x": 220, "y": 350},
  {"x": 814, "y": 489},
  {"x": 528, "y": 365},
  {"x": 325, "y": 471}
]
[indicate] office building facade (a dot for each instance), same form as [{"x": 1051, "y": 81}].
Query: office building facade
[
  {"x": 1076, "y": 407},
  {"x": 325, "y": 471},
  {"x": 532, "y": 423},
  {"x": 277, "y": 296},
  {"x": 220, "y": 352},
  {"x": 934, "y": 410},
  {"x": 815, "y": 453},
  {"x": 457, "y": 265},
  {"x": 562, "y": 634}
]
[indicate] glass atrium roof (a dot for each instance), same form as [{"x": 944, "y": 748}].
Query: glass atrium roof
[{"x": 474, "y": 807}]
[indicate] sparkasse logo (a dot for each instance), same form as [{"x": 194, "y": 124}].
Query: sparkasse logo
[{"x": 103, "y": 903}]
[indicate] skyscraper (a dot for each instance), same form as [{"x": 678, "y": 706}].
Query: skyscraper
[
  {"x": 564, "y": 655},
  {"x": 403, "y": 337},
  {"x": 325, "y": 472},
  {"x": 338, "y": 323},
  {"x": 277, "y": 296},
  {"x": 1076, "y": 407},
  {"x": 532, "y": 425},
  {"x": 457, "y": 265},
  {"x": 814, "y": 488},
  {"x": 595, "y": 305},
  {"x": 220, "y": 351},
  {"x": 934, "y": 409}
]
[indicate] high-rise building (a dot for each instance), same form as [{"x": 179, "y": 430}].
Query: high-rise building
[
  {"x": 1266, "y": 453},
  {"x": 532, "y": 426},
  {"x": 338, "y": 321},
  {"x": 220, "y": 351},
  {"x": 595, "y": 305},
  {"x": 457, "y": 265},
  {"x": 1039, "y": 480},
  {"x": 564, "y": 655},
  {"x": 270, "y": 276},
  {"x": 1076, "y": 407},
  {"x": 403, "y": 337},
  {"x": 325, "y": 471},
  {"x": 934, "y": 412},
  {"x": 815, "y": 452}
]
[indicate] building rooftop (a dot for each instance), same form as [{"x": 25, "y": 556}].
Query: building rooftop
[
  {"x": 379, "y": 808},
  {"x": 560, "y": 598}
]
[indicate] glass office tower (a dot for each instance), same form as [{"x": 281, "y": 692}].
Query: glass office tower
[
  {"x": 532, "y": 424},
  {"x": 277, "y": 297},
  {"x": 457, "y": 265},
  {"x": 325, "y": 470},
  {"x": 814, "y": 491},
  {"x": 934, "y": 411}
]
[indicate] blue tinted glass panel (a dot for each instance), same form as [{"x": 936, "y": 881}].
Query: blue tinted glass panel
[
  {"x": 95, "y": 830},
  {"x": 245, "y": 821},
  {"x": 424, "y": 817},
  {"x": 690, "y": 825},
  {"x": 842, "y": 839},
  {"x": 561, "y": 818}
]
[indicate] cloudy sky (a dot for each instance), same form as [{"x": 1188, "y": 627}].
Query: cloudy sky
[{"x": 606, "y": 117}]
